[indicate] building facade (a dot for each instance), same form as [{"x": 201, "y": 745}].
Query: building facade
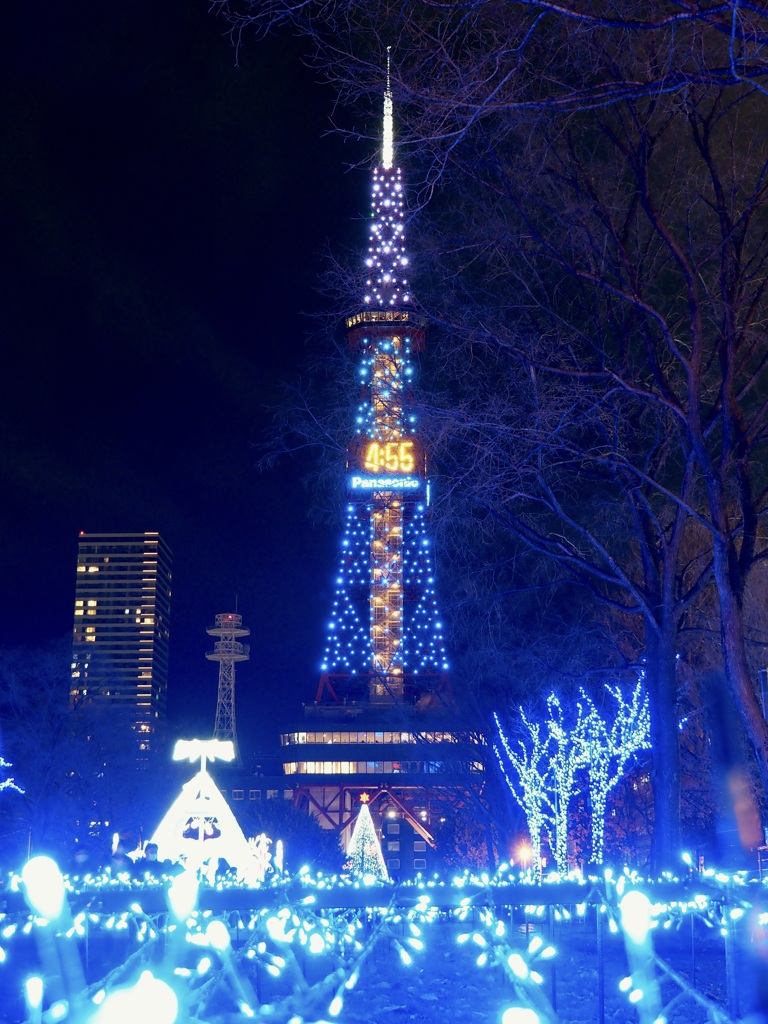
[
  {"x": 383, "y": 724},
  {"x": 121, "y": 633}
]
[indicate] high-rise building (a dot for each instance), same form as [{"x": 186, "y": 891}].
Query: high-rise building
[
  {"x": 121, "y": 632},
  {"x": 383, "y": 725}
]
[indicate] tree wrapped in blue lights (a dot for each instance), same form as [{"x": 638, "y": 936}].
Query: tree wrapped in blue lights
[
  {"x": 567, "y": 759},
  {"x": 608, "y": 744},
  {"x": 548, "y": 761},
  {"x": 530, "y": 760}
]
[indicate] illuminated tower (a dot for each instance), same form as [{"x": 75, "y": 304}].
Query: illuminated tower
[
  {"x": 385, "y": 637},
  {"x": 383, "y": 721},
  {"x": 227, "y": 651}
]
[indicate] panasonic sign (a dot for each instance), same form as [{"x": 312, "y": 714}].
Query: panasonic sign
[{"x": 385, "y": 483}]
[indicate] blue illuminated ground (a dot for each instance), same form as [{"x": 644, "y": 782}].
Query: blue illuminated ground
[
  {"x": 316, "y": 950},
  {"x": 446, "y": 987}
]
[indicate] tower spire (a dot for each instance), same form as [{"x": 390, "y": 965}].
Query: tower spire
[{"x": 388, "y": 135}]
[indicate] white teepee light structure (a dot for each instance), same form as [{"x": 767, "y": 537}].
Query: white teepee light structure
[{"x": 199, "y": 828}]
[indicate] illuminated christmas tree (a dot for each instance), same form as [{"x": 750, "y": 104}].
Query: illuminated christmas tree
[{"x": 364, "y": 847}]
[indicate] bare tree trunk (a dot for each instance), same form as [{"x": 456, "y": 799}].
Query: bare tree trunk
[
  {"x": 735, "y": 663},
  {"x": 665, "y": 775}
]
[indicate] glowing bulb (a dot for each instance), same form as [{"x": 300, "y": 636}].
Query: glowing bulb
[
  {"x": 44, "y": 887},
  {"x": 635, "y": 910},
  {"x": 217, "y": 935},
  {"x": 520, "y": 1015},
  {"x": 182, "y": 895},
  {"x": 517, "y": 965},
  {"x": 33, "y": 990},
  {"x": 150, "y": 999}
]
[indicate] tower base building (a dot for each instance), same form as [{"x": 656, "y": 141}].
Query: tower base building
[{"x": 415, "y": 766}]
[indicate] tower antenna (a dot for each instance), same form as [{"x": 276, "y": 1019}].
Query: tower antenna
[
  {"x": 227, "y": 651},
  {"x": 388, "y": 135}
]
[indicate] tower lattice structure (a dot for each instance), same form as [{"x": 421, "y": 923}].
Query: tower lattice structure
[
  {"x": 385, "y": 640},
  {"x": 383, "y": 726},
  {"x": 228, "y": 650}
]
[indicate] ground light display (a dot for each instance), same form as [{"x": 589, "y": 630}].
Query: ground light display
[
  {"x": 175, "y": 941},
  {"x": 307, "y": 948}
]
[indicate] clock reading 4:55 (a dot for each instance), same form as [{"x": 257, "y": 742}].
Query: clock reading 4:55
[{"x": 394, "y": 457}]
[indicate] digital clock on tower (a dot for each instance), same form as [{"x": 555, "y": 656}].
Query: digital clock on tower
[{"x": 389, "y": 457}]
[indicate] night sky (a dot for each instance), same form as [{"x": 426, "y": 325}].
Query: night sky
[{"x": 162, "y": 214}]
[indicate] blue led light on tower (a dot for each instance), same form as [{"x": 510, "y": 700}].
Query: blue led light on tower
[{"x": 385, "y": 637}]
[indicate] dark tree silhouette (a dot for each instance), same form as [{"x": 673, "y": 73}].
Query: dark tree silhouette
[{"x": 595, "y": 260}]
